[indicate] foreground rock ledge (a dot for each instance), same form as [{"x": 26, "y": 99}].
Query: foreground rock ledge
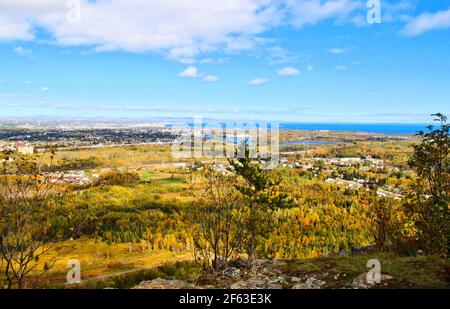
[{"x": 267, "y": 274}]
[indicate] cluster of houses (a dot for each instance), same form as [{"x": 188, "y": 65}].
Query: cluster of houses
[
  {"x": 364, "y": 162},
  {"x": 386, "y": 193},
  {"x": 355, "y": 183},
  {"x": 367, "y": 161},
  {"x": 218, "y": 167},
  {"x": 377, "y": 163}
]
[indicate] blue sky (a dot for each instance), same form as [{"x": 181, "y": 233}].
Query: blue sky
[{"x": 285, "y": 60}]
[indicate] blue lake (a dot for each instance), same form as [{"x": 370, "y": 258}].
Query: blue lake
[{"x": 388, "y": 128}]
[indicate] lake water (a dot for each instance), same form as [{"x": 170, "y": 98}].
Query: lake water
[{"x": 388, "y": 128}]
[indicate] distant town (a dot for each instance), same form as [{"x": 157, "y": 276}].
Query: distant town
[{"x": 44, "y": 138}]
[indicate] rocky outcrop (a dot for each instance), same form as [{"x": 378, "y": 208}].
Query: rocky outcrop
[
  {"x": 268, "y": 274},
  {"x": 232, "y": 272},
  {"x": 360, "y": 282},
  {"x": 310, "y": 283},
  {"x": 160, "y": 283}
]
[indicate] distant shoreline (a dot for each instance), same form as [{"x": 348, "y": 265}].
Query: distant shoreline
[{"x": 370, "y": 128}]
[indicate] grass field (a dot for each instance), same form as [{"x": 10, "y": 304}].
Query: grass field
[{"x": 100, "y": 260}]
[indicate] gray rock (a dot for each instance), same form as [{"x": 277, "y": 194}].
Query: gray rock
[
  {"x": 160, "y": 283},
  {"x": 273, "y": 279},
  {"x": 232, "y": 272},
  {"x": 310, "y": 283},
  {"x": 251, "y": 283},
  {"x": 274, "y": 286},
  {"x": 239, "y": 285},
  {"x": 360, "y": 282}
]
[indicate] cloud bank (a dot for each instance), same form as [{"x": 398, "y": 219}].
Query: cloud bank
[
  {"x": 181, "y": 30},
  {"x": 184, "y": 30}
]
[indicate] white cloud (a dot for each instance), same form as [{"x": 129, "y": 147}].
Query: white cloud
[
  {"x": 288, "y": 71},
  {"x": 257, "y": 81},
  {"x": 206, "y": 61},
  {"x": 190, "y": 72},
  {"x": 29, "y": 82},
  {"x": 214, "y": 61},
  {"x": 21, "y": 51},
  {"x": 426, "y": 22},
  {"x": 340, "y": 68},
  {"x": 180, "y": 30},
  {"x": 313, "y": 11},
  {"x": 400, "y": 11},
  {"x": 310, "y": 68},
  {"x": 338, "y": 50},
  {"x": 210, "y": 79},
  {"x": 45, "y": 89},
  {"x": 14, "y": 29},
  {"x": 277, "y": 55}
]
